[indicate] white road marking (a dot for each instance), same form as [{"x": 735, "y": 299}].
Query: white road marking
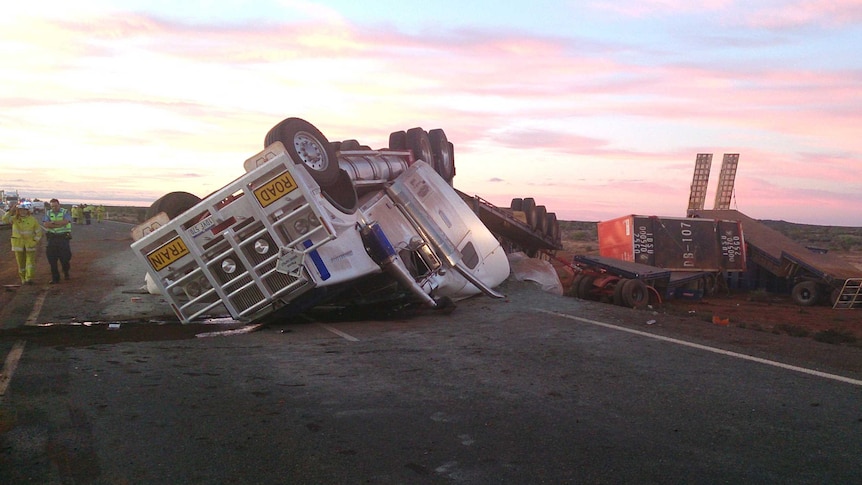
[
  {"x": 737, "y": 355},
  {"x": 37, "y": 308},
  {"x": 339, "y": 333},
  {"x": 10, "y": 365}
]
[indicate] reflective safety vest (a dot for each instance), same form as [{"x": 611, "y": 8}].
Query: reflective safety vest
[
  {"x": 63, "y": 215},
  {"x": 26, "y": 232}
]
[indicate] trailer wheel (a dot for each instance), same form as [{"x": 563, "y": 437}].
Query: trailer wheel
[
  {"x": 440, "y": 147},
  {"x": 576, "y": 281},
  {"x": 585, "y": 287},
  {"x": 418, "y": 141},
  {"x": 398, "y": 140},
  {"x": 517, "y": 204},
  {"x": 805, "y": 293},
  {"x": 635, "y": 293},
  {"x": 618, "y": 291},
  {"x": 172, "y": 204},
  {"x": 306, "y": 145}
]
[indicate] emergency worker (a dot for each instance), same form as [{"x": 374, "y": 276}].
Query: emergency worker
[
  {"x": 26, "y": 234},
  {"x": 100, "y": 213},
  {"x": 58, "y": 230},
  {"x": 88, "y": 210}
]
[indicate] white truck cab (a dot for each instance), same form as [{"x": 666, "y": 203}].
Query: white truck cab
[{"x": 276, "y": 239}]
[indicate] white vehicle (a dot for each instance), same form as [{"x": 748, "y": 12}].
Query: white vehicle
[{"x": 308, "y": 225}]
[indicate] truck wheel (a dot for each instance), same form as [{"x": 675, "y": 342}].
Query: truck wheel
[
  {"x": 805, "y": 293},
  {"x": 574, "y": 287},
  {"x": 306, "y": 145},
  {"x": 417, "y": 140},
  {"x": 635, "y": 293},
  {"x": 172, "y": 204},
  {"x": 585, "y": 288},
  {"x": 398, "y": 140},
  {"x": 440, "y": 147},
  {"x": 517, "y": 204}
]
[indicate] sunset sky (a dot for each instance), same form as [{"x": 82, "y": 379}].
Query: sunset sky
[{"x": 597, "y": 109}]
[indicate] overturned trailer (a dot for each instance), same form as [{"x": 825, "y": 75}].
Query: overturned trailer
[
  {"x": 314, "y": 222},
  {"x": 778, "y": 263}
]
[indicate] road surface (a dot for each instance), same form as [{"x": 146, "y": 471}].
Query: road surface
[{"x": 535, "y": 388}]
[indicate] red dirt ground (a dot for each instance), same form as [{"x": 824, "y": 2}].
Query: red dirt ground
[{"x": 757, "y": 311}]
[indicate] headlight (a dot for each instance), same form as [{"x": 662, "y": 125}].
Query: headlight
[
  {"x": 261, "y": 246},
  {"x": 193, "y": 289},
  {"x": 228, "y": 265},
  {"x": 301, "y": 226}
]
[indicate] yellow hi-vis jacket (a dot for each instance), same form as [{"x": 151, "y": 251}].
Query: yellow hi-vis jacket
[{"x": 26, "y": 231}]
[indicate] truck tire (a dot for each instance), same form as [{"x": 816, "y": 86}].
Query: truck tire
[
  {"x": 635, "y": 293},
  {"x": 418, "y": 141},
  {"x": 517, "y": 204},
  {"x": 574, "y": 287},
  {"x": 540, "y": 219},
  {"x": 398, "y": 140},
  {"x": 618, "y": 291},
  {"x": 528, "y": 205},
  {"x": 585, "y": 288},
  {"x": 443, "y": 160},
  {"x": 306, "y": 145},
  {"x": 348, "y": 145},
  {"x": 452, "y": 154},
  {"x": 172, "y": 204},
  {"x": 805, "y": 293},
  {"x": 552, "y": 228}
]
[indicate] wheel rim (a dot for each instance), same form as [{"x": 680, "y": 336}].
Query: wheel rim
[{"x": 309, "y": 150}]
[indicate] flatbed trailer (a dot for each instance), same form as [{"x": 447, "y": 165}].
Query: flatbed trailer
[{"x": 633, "y": 284}]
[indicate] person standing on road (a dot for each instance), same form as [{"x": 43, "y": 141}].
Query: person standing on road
[
  {"x": 88, "y": 210},
  {"x": 26, "y": 234},
  {"x": 58, "y": 229},
  {"x": 100, "y": 213}
]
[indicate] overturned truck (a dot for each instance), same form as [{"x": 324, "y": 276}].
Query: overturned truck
[{"x": 314, "y": 222}]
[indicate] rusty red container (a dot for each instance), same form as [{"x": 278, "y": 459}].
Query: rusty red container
[{"x": 675, "y": 243}]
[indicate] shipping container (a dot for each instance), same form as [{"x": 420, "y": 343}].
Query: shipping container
[{"x": 679, "y": 244}]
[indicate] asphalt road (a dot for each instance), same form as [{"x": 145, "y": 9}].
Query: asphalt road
[{"x": 533, "y": 389}]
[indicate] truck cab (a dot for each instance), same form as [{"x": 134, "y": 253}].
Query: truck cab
[{"x": 276, "y": 239}]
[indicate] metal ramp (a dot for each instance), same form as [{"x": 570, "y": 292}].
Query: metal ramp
[
  {"x": 697, "y": 196},
  {"x": 851, "y": 294},
  {"x": 726, "y": 179}
]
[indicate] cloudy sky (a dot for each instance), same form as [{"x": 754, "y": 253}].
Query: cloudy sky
[{"x": 597, "y": 109}]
